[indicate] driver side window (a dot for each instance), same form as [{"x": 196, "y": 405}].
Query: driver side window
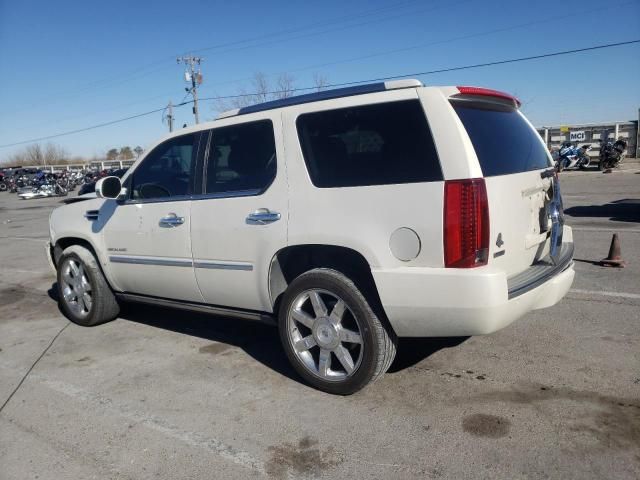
[{"x": 167, "y": 171}]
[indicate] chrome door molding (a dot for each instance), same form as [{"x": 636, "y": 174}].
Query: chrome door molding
[
  {"x": 222, "y": 265},
  {"x": 180, "y": 262},
  {"x": 144, "y": 260}
]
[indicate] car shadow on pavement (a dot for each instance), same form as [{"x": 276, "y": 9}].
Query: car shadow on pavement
[
  {"x": 624, "y": 210},
  {"x": 412, "y": 351},
  {"x": 259, "y": 341}
]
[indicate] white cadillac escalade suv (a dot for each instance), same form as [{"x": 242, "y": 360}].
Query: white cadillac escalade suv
[{"x": 348, "y": 217}]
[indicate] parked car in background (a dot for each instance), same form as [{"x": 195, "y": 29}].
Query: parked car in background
[{"x": 348, "y": 218}]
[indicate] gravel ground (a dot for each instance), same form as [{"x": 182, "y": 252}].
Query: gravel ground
[{"x": 165, "y": 394}]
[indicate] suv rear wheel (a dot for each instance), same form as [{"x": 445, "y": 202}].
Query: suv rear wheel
[
  {"x": 331, "y": 335},
  {"x": 83, "y": 292}
]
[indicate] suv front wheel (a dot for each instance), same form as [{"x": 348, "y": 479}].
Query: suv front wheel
[
  {"x": 84, "y": 294},
  {"x": 331, "y": 335}
]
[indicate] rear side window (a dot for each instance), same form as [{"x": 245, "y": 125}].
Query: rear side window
[
  {"x": 241, "y": 158},
  {"x": 379, "y": 144},
  {"x": 504, "y": 142}
]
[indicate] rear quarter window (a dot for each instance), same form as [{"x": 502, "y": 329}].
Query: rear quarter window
[
  {"x": 503, "y": 140},
  {"x": 380, "y": 144}
]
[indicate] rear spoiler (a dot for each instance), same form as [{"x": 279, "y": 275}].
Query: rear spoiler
[{"x": 487, "y": 92}]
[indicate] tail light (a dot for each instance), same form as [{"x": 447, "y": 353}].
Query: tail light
[{"x": 466, "y": 223}]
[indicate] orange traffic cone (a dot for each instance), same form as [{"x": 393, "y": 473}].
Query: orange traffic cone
[{"x": 614, "y": 259}]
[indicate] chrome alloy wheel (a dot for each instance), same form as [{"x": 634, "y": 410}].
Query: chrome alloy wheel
[
  {"x": 325, "y": 335},
  {"x": 76, "y": 288}
]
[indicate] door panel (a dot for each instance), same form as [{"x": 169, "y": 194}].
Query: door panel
[
  {"x": 240, "y": 221},
  {"x": 150, "y": 258},
  {"x": 148, "y": 236}
]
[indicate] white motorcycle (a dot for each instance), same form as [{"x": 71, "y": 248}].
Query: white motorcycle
[
  {"x": 49, "y": 188},
  {"x": 570, "y": 157}
]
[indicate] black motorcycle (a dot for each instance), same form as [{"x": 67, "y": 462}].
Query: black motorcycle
[{"x": 611, "y": 153}]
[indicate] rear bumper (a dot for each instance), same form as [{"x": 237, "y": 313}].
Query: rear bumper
[{"x": 439, "y": 302}]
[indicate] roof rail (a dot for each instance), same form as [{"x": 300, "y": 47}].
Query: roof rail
[{"x": 323, "y": 95}]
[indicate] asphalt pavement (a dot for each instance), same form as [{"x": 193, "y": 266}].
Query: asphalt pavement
[{"x": 165, "y": 394}]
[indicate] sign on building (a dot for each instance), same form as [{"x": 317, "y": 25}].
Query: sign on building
[{"x": 578, "y": 136}]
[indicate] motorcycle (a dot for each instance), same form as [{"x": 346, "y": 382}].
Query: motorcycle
[
  {"x": 18, "y": 182},
  {"x": 77, "y": 178},
  {"x": 49, "y": 187},
  {"x": 611, "y": 153},
  {"x": 570, "y": 156},
  {"x": 64, "y": 179}
]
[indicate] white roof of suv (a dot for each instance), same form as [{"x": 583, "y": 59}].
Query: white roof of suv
[{"x": 323, "y": 95}]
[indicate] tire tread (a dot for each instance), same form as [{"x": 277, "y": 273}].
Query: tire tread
[
  {"x": 384, "y": 336},
  {"x": 106, "y": 307}
]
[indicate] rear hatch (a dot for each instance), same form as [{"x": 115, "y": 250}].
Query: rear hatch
[{"x": 519, "y": 179}]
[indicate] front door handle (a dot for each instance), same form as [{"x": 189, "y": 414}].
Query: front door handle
[
  {"x": 262, "y": 216},
  {"x": 171, "y": 221}
]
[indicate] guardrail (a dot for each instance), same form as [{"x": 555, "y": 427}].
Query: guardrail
[{"x": 102, "y": 165}]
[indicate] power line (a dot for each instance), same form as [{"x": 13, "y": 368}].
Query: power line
[
  {"x": 161, "y": 64},
  {"x": 341, "y": 19},
  {"x": 339, "y": 28},
  {"x": 443, "y": 41},
  {"x": 354, "y": 59},
  {"x": 343, "y": 84},
  {"x": 443, "y": 70},
  {"x": 92, "y": 127}
]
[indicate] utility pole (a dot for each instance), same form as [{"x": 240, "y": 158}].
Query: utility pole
[
  {"x": 193, "y": 75},
  {"x": 170, "y": 116}
]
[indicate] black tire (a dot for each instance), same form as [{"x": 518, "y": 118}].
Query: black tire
[
  {"x": 104, "y": 306},
  {"x": 378, "y": 343},
  {"x": 3, "y": 186}
]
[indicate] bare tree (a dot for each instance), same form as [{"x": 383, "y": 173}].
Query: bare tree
[
  {"x": 54, "y": 154},
  {"x": 285, "y": 86},
  {"x": 33, "y": 154},
  {"x": 125, "y": 153},
  {"x": 36, "y": 154},
  {"x": 17, "y": 159},
  {"x": 76, "y": 160},
  {"x": 320, "y": 81},
  {"x": 263, "y": 91},
  {"x": 261, "y": 87},
  {"x": 138, "y": 151},
  {"x": 112, "y": 154}
]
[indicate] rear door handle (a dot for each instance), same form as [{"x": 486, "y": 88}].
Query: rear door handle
[
  {"x": 171, "y": 221},
  {"x": 263, "y": 216}
]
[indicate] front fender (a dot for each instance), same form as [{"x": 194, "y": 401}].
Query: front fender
[{"x": 70, "y": 224}]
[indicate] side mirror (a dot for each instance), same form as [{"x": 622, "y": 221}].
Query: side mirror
[{"x": 108, "y": 187}]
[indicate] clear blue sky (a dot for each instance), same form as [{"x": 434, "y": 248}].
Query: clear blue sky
[{"x": 68, "y": 64}]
